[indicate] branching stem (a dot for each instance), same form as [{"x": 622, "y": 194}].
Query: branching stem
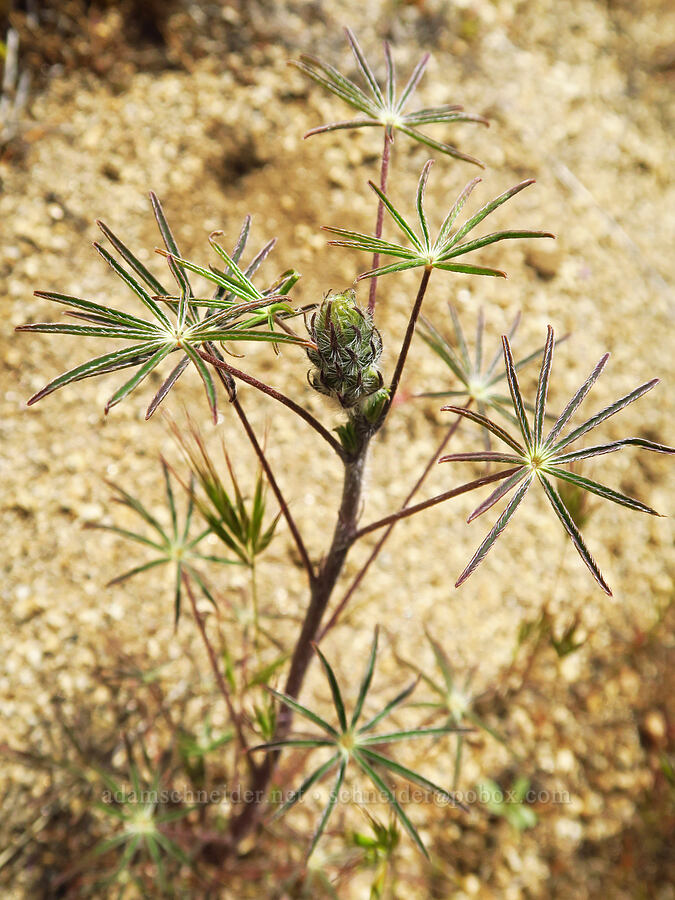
[
  {"x": 322, "y": 583},
  {"x": 406, "y": 511},
  {"x": 384, "y": 171},
  {"x": 276, "y": 395},
  {"x": 381, "y": 542}
]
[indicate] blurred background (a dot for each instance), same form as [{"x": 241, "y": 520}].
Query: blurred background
[{"x": 103, "y": 101}]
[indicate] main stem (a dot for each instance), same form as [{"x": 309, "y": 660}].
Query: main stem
[
  {"x": 323, "y": 582},
  {"x": 381, "y": 542},
  {"x": 321, "y": 590}
]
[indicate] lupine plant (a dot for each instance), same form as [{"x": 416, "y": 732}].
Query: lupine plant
[{"x": 339, "y": 337}]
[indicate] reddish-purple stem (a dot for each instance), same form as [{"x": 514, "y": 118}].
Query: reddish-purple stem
[
  {"x": 219, "y": 676},
  {"x": 384, "y": 171},
  {"x": 276, "y": 395},
  {"x": 439, "y": 498},
  {"x": 378, "y": 546}
]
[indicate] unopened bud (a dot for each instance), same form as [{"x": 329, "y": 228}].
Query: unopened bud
[{"x": 348, "y": 347}]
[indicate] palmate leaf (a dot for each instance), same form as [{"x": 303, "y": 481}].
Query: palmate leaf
[
  {"x": 544, "y": 457},
  {"x": 174, "y": 546},
  {"x": 442, "y": 252},
  {"x": 452, "y": 701},
  {"x": 357, "y": 744},
  {"x": 480, "y": 385},
  {"x": 175, "y": 324},
  {"x": 379, "y": 105},
  {"x": 141, "y": 821},
  {"x": 238, "y": 523}
]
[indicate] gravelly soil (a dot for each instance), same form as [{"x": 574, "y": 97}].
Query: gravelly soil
[{"x": 579, "y": 96}]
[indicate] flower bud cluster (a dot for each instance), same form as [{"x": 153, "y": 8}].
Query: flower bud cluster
[{"x": 348, "y": 347}]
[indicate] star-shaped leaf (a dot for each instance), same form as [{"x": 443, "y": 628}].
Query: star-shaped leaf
[
  {"x": 348, "y": 742},
  {"x": 449, "y": 244},
  {"x": 531, "y": 456},
  {"x": 173, "y": 546},
  {"x": 140, "y": 821},
  {"x": 238, "y": 312},
  {"x": 380, "y": 105}
]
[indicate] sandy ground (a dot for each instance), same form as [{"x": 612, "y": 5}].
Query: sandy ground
[{"x": 579, "y": 97}]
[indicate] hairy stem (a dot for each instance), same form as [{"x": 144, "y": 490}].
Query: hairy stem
[
  {"x": 382, "y": 540},
  {"x": 384, "y": 171},
  {"x": 321, "y": 590}
]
